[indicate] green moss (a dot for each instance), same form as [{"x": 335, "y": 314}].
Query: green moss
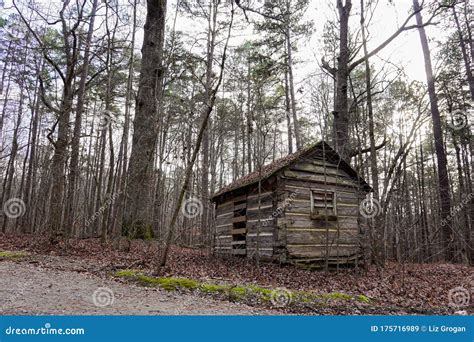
[
  {"x": 172, "y": 284},
  {"x": 12, "y": 254},
  {"x": 147, "y": 280},
  {"x": 363, "y": 299},
  {"x": 210, "y": 288},
  {"x": 337, "y": 296},
  {"x": 341, "y": 296},
  {"x": 169, "y": 284},
  {"x": 345, "y": 296},
  {"x": 126, "y": 273},
  {"x": 237, "y": 292},
  {"x": 147, "y": 234},
  {"x": 265, "y": 294}
]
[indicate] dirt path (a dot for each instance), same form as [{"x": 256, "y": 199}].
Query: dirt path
[{"x": 41, "y": 289}]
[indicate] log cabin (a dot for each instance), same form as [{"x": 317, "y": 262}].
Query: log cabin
[{"x": 301, "y": 209}]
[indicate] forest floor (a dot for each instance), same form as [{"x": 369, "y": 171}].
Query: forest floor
[{"x": 90, "y": 278}]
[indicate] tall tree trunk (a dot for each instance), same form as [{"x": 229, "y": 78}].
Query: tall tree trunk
[
  {"x": 376, "y": 224},
  {"x": 211, "y": 38},
  {"x": 59, "y": 160},
  {"x": 13, "y": 154},
  {"x": 288, "y": 113},
  {"x": 139, "y": 196},
  {"x": 249, "y": 120},
  {"x": 341, "y": 111},
  {"x": 58, "y": 166},
  {"x": 444, "y": 191},
  {"x": 123, "y": 153},
  {"x": 465, "y": 56},
  {"x": 75, "y": 140},
  {"x": 30, "y": 185},
  {"x": 291, "y": 82}
]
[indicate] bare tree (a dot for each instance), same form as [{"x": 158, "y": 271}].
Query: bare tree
[{"x": 139, "y": 197}]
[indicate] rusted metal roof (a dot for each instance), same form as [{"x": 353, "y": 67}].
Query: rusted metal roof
[{"x": 270, "y": 169}]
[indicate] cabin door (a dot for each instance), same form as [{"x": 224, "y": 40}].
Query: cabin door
[{"x": 239, "y": 226}]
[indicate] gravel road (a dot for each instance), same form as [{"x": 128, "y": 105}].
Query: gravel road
[{"x": 38, "y": 289}]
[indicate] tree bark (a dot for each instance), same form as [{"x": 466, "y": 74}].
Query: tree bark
[
  {"x": 341, "y": 111},
  {"x": 211, "y": 42},
  {"x": 139, "y": 196},
  {"x": 75, "y": 140},
  {"x": 443, "y": 181},
  {"x": 288, "y": 114},
  {"x": 123, "y": 153},
  {"x": 377, "y": 223},
  {"x": 291, "y": 81},
  {"x": 467, "y": 64}
]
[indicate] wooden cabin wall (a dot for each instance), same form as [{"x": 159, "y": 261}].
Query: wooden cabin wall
[
  {"x": 310, "y": 240},
  {"x": 223, "y": 226},
  {"x": 261, "y": 221},
  {"x": 259, "y": 218}
]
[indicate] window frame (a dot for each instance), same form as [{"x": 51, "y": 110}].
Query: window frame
[{"x": 313, "y": 214}]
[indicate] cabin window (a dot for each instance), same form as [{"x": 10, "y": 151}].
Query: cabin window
[{"x": 323, "y": 204}]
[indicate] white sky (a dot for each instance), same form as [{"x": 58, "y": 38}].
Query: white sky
[{"x": 404, "y": 51}]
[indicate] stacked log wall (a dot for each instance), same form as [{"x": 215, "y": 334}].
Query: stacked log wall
[
  {"x": 223, "y": 227},
  {"x": 260, "y": 221},
  {"x": 319, "y": 240}
]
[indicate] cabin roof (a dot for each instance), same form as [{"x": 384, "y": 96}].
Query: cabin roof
[{"x": 270, "y": 169}]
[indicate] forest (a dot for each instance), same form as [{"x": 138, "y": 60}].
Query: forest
[{"x": 121, "y": 120}]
